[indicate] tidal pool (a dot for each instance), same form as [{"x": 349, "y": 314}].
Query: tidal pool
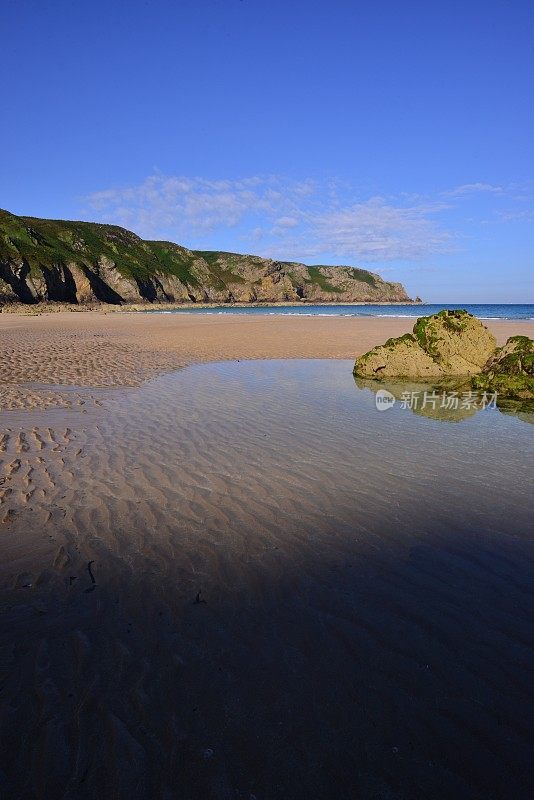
[{"x": 290, "y": 593}]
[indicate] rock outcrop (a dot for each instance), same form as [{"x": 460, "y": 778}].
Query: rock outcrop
[
  {"x": 445, "y": 344},
  {"x": 85, "y": 262},
  {"x": 510, "y": 371},
  {"x": 455, "y": 344}
]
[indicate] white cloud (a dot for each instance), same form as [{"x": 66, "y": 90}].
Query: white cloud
[
  {"x": 186, "y": 204},
  {"x": 291, "y": 220},
  {"x": 469, "y": 188}
]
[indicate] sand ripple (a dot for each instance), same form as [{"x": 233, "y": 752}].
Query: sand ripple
[{"x": 365, "y": 580}]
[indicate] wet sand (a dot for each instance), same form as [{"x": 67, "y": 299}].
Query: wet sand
[{"x": 290, "y": 595}]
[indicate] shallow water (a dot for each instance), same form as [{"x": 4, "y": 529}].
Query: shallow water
[{"x": 367, "y": 579}]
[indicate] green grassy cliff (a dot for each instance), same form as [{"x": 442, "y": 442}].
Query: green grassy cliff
[{"x": 87, "y": 262}]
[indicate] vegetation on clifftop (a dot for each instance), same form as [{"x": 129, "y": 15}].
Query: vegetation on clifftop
[{"x": 71, "y": 261}]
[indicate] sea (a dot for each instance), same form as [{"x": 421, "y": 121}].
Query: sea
[{"x": 524, "y": 311}]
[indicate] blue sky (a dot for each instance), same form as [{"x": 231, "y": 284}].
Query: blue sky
[{"x": 392, "y": 135}]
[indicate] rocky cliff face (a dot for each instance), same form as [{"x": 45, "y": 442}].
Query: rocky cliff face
[{"x": 85, "y": 262}]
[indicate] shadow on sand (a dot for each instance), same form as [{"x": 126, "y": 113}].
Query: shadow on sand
[{"x": 387, "y": 672}]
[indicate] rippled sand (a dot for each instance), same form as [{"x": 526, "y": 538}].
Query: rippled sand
[
  {"x": 290, "y": 595},
  {"x": 124, "y": 349}
]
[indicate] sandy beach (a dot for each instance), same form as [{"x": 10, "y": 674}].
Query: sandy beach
[
  {"x": 123, "y": 349},
  {"x": 237, "y": 580}
]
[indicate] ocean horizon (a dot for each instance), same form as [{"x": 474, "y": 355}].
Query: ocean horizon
[{"x": 512, "y": 311}]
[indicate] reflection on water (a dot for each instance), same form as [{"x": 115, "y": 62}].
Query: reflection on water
[{"x": 451, "y": 400}]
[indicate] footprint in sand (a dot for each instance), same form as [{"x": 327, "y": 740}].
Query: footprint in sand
[
  {"x": 27, "y": 479},
  {"x": 49, "y": 478},
  {"x": 52, "y": 440},
  {"x": 38, "y": 442},
  {"x": 4, "y": 494},
  {"x": 22, "y": 445},
  {"x": 14, "y": 467}
]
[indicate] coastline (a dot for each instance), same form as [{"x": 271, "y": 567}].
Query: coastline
[{"x": 26, "y": 309}]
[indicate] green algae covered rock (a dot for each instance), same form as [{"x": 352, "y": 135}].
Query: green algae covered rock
[
  {"x": 510, "y": 371},
  {"x": 445, "y": 344}
]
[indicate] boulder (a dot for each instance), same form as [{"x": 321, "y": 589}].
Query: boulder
[
  {"x": 510, "y": 371},
  {"x": 446, "y": 344}
]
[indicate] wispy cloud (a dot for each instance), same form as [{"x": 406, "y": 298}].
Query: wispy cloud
[
  {"x": 282, "y": 218},
  {"x": 470, "y": 188},
  {"x": 378, "y": 231},
  {"x": 184, "y": 204},
  {"x": 525, "y": 215}
]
